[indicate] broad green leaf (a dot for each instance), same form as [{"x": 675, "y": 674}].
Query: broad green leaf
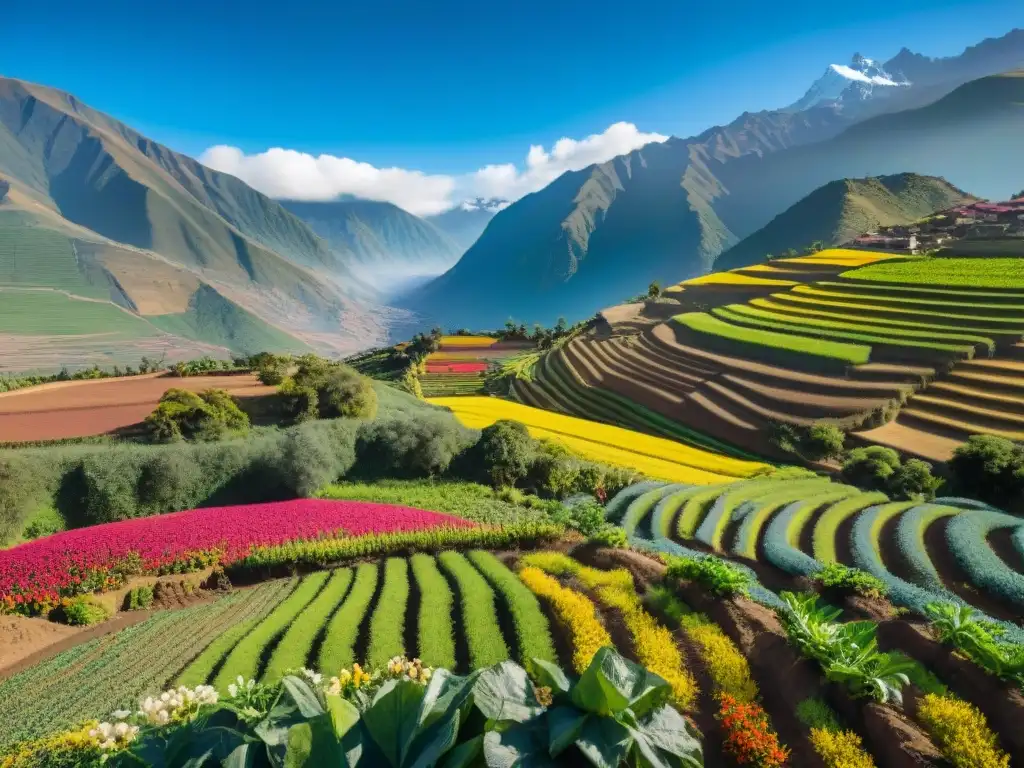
[
  {"x": 668, "y": 731},
  {"x": 504, "y": 692},
  {"x": 434, "y": 742},
  {"x": 604, "y": 742},
  {"x": 564, "y": 726},
  {"x": 302, "y": 695},
  {"x": 551, "y": 676},
  {"x": 391, "y": 719},
  {"x": 344, "y": 714},
  {"x": 522, "y": 746},
  {"x": 444, "y": 694},
  {"x": 465, "y": 754},
  {"x": 612, "y": 683},
  {"x": 313, "y": 744}
]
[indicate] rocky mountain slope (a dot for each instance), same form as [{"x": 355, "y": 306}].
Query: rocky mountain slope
[
  {"x": 840, "y": 210},
  {"x": 157, "y": 234},
  {"x": 466, "y": 222},
  {"x": 666, "y": 211}
]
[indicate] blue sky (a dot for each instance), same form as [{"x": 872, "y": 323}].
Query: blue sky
[{"x": 448, "y": 87}]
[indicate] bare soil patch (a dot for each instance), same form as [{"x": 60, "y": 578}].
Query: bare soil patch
[
  {"x": 79, "y": 409},
  {"x": 916, "y": 442},
  {"x": 21, "y": 637}
]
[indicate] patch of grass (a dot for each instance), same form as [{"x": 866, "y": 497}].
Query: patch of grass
[{"x": 50, "y": 313}]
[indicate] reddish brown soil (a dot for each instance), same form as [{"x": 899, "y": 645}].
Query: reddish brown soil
[
  {"x": 82, "y": 408},
  {"x": 21, "y": 637},
  {"x": 1001, "y": 703}
]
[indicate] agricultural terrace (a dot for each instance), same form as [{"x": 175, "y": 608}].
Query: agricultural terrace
[
  {"x": 941, "y": 551},
  {"x": 461, "y": 364},
  {"x": 726, "y": 651},
  {"x": 653, "y": 456},
  {"x": 859, "y": 339},
  {"x": 69, "y": 409}
]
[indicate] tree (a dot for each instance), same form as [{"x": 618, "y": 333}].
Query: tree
[
  {"x": 654, "y": 289},
  {"x": 328, "y": 390},
  {"x": 561, "y": 326},
  {"x": 184, "y": 415},
  {"x": 506, "y": 450},
  {"x": 870, "y": 467},
  {"x": 914, "y": 481},
  {"x": 989, "y": 468},
  {"x": 823, "y": 441}
]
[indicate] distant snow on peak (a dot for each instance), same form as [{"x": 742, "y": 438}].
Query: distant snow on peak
[
  {"x": 858, "y": 81},
  {"x": 491, "y": 205}
]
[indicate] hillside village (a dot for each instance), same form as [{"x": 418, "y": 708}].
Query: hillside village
[{"x": 971, "y": 229}]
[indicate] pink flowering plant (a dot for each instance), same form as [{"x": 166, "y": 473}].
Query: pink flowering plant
[{"x": 42, "y": 574}]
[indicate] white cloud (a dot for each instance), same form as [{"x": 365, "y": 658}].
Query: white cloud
[{"x": 286, "y": 173}]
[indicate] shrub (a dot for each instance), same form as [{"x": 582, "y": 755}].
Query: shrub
[
  {"x": 270, "y": 369},
  {"x": 913, "y": 480},
  {"x": 961, "y": 733},
  {"x": 815, "y": 713},
  {"x": 85, "y": 610},
  {"x": 138, "y": 598},
  {"x": 870, "y": 467},
  {"x": 846, "y": 580},
  {"x": 586, "y": 517},
  {"x": 423, "y": 446},
  {"x": 506, "y": 450},
  {"x": 840, "y": 749},
  {"x": 819, "y": 441},
  {"x": 610, "y": 536},
  {"x": 314, "y": 455},
  {"x": 184, "y": 415},
  {"x": 328, "y": 390},
  {"x": 716, "y": 575},
  {"x": 989, "y": 468},
  {"x": 554, "y": 472}
]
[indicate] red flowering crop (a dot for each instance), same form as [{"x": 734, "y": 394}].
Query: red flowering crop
[
  {"x": 36, "y": 575},
  {"x": 456, "y": 367},
  {"x": 749, "y": 737}
]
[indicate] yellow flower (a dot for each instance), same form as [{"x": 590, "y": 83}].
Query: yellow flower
[
  {"x": 728, "y": 668},
  {"x": 840, "y": 749},
  {"x": 961, "y": 733}
]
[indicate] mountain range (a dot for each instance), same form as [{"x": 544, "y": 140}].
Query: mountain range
[
  {"x": 134, "y": 247},
  {"x": 841, "y": 210},
  {"x": 666, "y": 211}
]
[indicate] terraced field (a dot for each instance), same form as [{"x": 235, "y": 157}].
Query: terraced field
[
  {"x": 850, "y": 346},
  {"x": 653, "y": 456},
  {"x": 460, "y": 365},
  {"x": 947, "y": 550}
]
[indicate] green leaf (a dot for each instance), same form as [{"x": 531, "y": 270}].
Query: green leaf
[
  {"x": 444, "y": 694},
  {"x": 604, "y": 742},
  {"x": 668, "y": 731},
  {"x": 564, "y": 726},
  {"x": 391, "y": 718},
  {"x": 464, "y": 755},
  {"x": 551, "y": 676},
  {"x": 504, "y": 692},
  {"x": 612, "y": 683},
  {"x": 296, "y": 703},
  {"x": 344, "y": 714},
  {"x": 435, "y": 742},
  {"x": 522, "y": 746},
  {"x": 314, "y": 744}
]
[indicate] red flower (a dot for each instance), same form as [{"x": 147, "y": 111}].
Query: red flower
[{"x": 749, "y": 737}]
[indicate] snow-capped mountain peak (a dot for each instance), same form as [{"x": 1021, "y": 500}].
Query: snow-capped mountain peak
[
  {"x": 491, "y": 205},
  {"x": 861, "y": 79}
]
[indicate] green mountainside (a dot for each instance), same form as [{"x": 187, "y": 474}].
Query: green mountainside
[
  {"x": 380, "y": 241},
  {"x": 95, "y": 209},
  {"x": 841, "y": 210},
  {"x": 666, "y": 211},
  {"x": 466, "y": 222}
]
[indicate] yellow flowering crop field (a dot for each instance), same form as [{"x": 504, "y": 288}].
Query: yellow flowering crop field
[
  {"x": 653, "y": 456},
  {"x": 845, "y": 257},
  {"x": 736, "y": 278},
  {"x": 467, "y": 341}
]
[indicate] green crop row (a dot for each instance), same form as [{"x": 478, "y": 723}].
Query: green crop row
[
  {"x": 861, "y": 330},
  {"x": 322, "y": 552},
  {"x": 338, "y": 649},
  {"x": 910, "y": 531},
  {"x": 819, "y": 298},
  {"x": 435, "y": 635},
  {"x": 641, "y": 507},
  {"x": 245, "y": 659},
  {"x": 294, "y": 649},
  {"x": 479, "y": 613},
  {"x": 807, "y": 345},
  {"x": 203, "y": 667},
  {"x": 975, "y": 273},
  {"x": 387, "y": 625},
  {"x": 827, "y": 526},
  {"x": 531, "y": 625},
  {"x": 905, "y": 301}
]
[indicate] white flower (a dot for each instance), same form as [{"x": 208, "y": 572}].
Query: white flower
[
  {"x": 232, "y": 690},
  {"x": 120, "y": 714}
]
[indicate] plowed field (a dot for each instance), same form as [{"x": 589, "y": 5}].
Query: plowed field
[{"x": 81, "y": 408}]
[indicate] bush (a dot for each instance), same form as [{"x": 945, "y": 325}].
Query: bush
[
  {"x": 914, "y": 481},
  {"x": 989, "y": 468},
  {"x": 610, "y": 536},
  {"x": 850, "y": 581},
  {"x": 184, "y": 415},
  {"x": 138, "y": 598},
  {"x": 554, "y": 471},
  {"x": 321, "y": 389},
  {"x": 961, "y": 733},
  {"x": 871, "y": 467},
  {"x": 716, "y": 575},
  {"x": 85, "y": 610},
  {"x": 505, "y": 451},
  {"x": 423, "y": 446},
  {"x": 270, "y": 369},
  {"x": 817, "y": 442},
  {"x": 316, "y": 455}
]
